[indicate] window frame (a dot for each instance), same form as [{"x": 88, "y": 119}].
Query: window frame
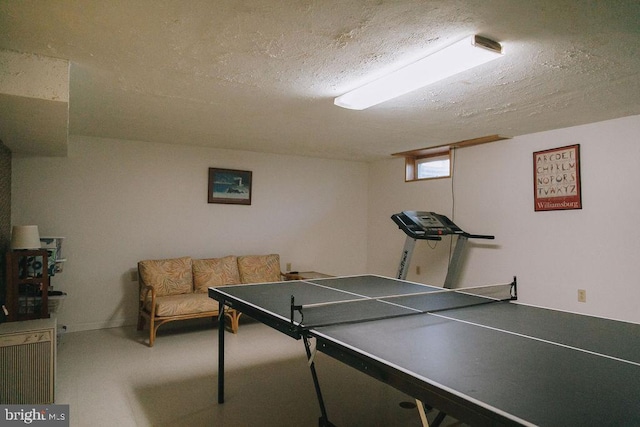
[
  {"x": 435, "y": 158},
  {"x": 413, "y": 164},
  {"x": 414, "y": 156}
]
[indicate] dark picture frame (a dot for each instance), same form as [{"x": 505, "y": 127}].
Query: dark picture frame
[
  {"x": 556, "y": 179},
  {"x": 230, "y": 186}
]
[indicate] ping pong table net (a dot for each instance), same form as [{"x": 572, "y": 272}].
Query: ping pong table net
[{"x": 365, "y": 309}]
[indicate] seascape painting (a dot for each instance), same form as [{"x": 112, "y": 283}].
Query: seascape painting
[{"x": 229, "y": 186}]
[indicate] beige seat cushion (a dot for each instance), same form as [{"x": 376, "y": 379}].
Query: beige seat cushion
[
  {"x": 174, "y": 305},
  {"x": 259, "y": 268},
  {"x": 215, "y": 272},
  {"x": 167, "y": 276}
]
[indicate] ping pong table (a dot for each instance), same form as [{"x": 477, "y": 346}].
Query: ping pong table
[{"x": 482, "y": 360}]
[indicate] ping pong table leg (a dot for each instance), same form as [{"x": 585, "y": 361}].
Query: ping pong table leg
[
  {"x": 438, "y": 419},
  {"x": 423, "y": 416},
  {"x": 324, "y": 420},
  {"x": 221, "y": 352}
]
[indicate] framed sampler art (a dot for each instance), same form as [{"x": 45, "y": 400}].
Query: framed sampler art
[
  {"x": 556, "y": 179},
  {"x": 229, "y": 186}
]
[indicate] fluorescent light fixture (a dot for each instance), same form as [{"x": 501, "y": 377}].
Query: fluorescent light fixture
[{"x": 460, "y": 56}]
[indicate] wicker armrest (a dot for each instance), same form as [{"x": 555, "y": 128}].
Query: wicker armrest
[{"x": 145, "y": 296}]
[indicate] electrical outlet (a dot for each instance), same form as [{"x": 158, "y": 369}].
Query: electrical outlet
[
  {"x": 582, "y": 295},
  {"x": 417, "y": 269},
  {"x": 288, "y": 266}
]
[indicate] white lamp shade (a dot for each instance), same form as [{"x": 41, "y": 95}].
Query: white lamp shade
[{"x": 25, "y": 237}]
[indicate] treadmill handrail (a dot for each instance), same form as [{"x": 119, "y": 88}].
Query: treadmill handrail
[{"x": 479, "y": 236}]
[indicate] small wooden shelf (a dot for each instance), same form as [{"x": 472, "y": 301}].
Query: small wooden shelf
[
  {"x": 444, "y": 148},
  {"x": 304, "y": 275},
  {"x": 27, "y": 285}
]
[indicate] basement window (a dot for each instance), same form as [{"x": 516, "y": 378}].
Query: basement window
[
  {"x": 431, "y": 163},
  {"x": 435, "y": 162},
  {"x": 433, "y": 167}
]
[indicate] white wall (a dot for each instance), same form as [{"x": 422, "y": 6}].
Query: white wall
[
  {"x": 553, "y": 253},
  {"x": 118, "y": 202},
  {"x": 390, "y": 194}
]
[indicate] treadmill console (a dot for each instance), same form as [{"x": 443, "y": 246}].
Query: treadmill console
[{"x": 425, "y": 225}]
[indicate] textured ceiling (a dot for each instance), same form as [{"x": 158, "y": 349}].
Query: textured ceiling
[{"x": 261, "y": 75}]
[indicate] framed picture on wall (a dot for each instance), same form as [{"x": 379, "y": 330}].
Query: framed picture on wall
[
  {"x": 230, "y": 186},
  {"x": 556, "y": 179}
]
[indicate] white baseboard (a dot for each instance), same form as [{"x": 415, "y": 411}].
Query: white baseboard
[{"x": 89, "y": 326}]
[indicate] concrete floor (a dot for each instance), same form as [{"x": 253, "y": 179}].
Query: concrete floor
[{"x": 111, "y": 377}]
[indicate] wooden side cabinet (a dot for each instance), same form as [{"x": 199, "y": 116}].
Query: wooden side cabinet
[
  {"x": 304, "y": 275},
  {"x": 27, "y": 284}
]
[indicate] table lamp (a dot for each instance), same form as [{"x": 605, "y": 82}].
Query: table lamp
[{"x": 25, "y": 237}]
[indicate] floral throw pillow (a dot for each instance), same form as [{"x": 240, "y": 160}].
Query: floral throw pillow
[
  {"x": 167, "y": 276},
  {"x": 259, "y": 268},
  {"x": 215, "y": 272}
]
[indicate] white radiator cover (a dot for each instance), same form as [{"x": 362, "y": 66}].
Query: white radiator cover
[{"x": 28, "y": 362}]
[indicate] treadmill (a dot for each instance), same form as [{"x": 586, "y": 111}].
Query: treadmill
[{"x": 432, "y": 226}]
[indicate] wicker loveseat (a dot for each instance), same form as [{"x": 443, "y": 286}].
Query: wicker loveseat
[{"x": 176, "y": 288}]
